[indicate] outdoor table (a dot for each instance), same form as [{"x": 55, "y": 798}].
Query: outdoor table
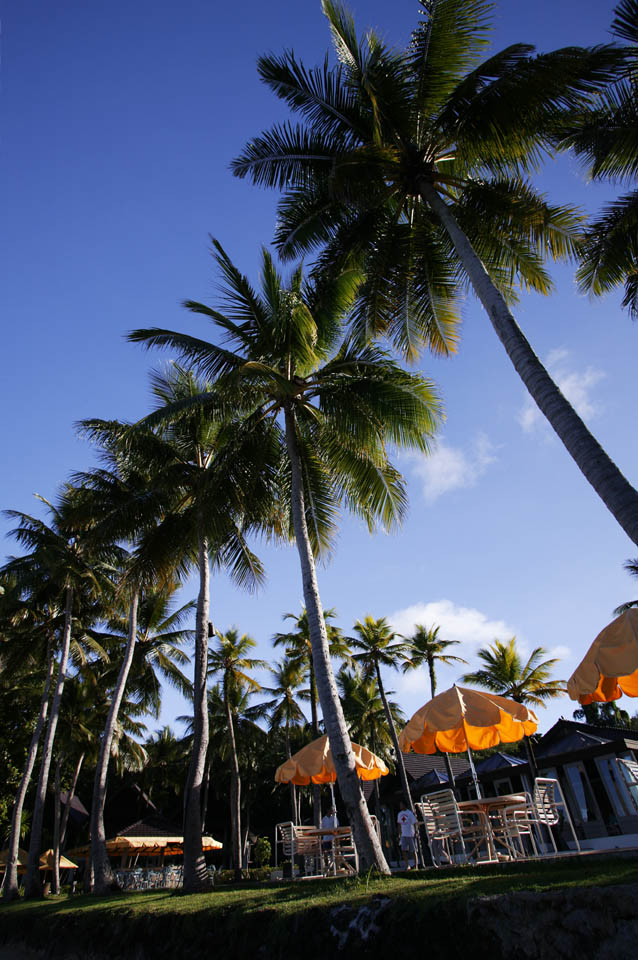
[
  {"x": 333, "y": 833},
  {"x": 485, "y": 806}
]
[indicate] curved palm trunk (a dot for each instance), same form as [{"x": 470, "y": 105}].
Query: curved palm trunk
[
  {"x": 69, "y": 799},
  {"x": 368, "y": 846},
  {"x": 595, "y": 465},
  {"x": 205, "y": 791},
  {"x": 32, "y": 885},
  {"x": 235, "y": 792},
  {"x": 102, "y": 873},
  {"x": 195, "y": 874},
  {"x": 10, "y": 882}
]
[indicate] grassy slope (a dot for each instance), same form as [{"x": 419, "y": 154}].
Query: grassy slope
[{"x": 292, "y": 919}]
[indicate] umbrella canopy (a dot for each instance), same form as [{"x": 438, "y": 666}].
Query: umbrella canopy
[
  {"x": 610, "y": 666},
  {"x": 149, "y": 846},
  {"x": 460, "y": 718},
  {"x": 23, "y": 857},
  {"x": 46, "y": 861},
  {"x": 314, "y": 764}
]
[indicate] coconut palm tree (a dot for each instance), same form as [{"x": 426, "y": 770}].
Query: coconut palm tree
[
  {"x": 229, "y": 659},
  {"x": 415, "y": 162},
  {"x": 284, "y": 710},
  {"x": 146, "y": 641},
  {"x": 426, "y": 648},
  {"x": 220, "y": 487},
  {"x": 378, "y": 646},
  {"x": 298, "y": 645},
  {"x": 77, "y": 567},
  {"x": 365, "y": 713},
  {"x": 339, "y": 405},
  {"x": 503, "y": 672},
  {"x": 604, "y": 138}
]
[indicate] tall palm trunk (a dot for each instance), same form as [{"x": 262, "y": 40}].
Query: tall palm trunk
[
  {"x": 102, "y": 873},
  {"x": 195, "y": 874},
  {"x": 235, "y": 789},
  {"x": 395, "y": 740},
  {"x": 368, "y": 846},
  {"x": 32, "y": 885},
  {"x": 432, "y": 676},
  {"x": 10, "y": 883},
  {"x": 55, "y": 866},
  {"x": 596, "y": 466},
  {"x": 316, "y": 789},
  {"x": 205, "y": 792},
  {"x": 293, "y": 792},
  {"x": 69, "y": 800}
]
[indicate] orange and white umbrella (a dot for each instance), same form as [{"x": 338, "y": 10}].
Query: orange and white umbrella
[
  {"x": 610, "y": 666},
  {"x": 314, "y": 764},
  {"x": 461, "y": 719}
]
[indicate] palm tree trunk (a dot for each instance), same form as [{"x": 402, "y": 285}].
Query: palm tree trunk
[
  {"x": 316, "y": 789},
  {"x": 10, "y": 882},
  {"x": 293, "y": 792},
  {"x": 235, "y": 791},
  {"x": 32, "y": 885},
  {"x": 195, "y": 873},
  {"x": 596, "y": 466},
  {"x": 432, "y": 676},
  {"x": 368, "y": 846},
  {"x": 205, "y": 789},
  {"x": 55, "y": 884},
  {"x": 69, "y": 799},
  {"x": 407, "y": 796},
  {"x": 102, "y": 873}
]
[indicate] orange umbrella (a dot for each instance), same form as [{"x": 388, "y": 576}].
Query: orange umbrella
[
  {"x": 462, "y": 719},
  {"x": 610, "y": 666},
  {"x": 314, "y": 764}
]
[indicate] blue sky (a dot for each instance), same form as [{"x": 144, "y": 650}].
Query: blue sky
[{"x": 118, "y": 125}]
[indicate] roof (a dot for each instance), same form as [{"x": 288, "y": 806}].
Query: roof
[
  {"x": 152, "y": 826},
  {"x": 572, "y": 740},
  {"x": 418, "y": 764}
]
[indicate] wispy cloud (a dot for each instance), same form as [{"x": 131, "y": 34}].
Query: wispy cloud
[
  {"x": 452, "y": 468},
  {"x": 576, "y": 385}
]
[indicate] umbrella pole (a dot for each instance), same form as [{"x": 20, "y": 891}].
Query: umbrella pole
[
  {"x": 450, "y": 773},
  {"x": 479, "y": 795}
]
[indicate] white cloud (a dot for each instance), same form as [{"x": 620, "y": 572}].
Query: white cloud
[
  {"x": 574, "y": 384},
  {"x": 451, "y": 468},
  {"x": 470, "y": 627}
]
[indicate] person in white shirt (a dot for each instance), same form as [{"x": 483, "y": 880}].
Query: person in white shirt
[
  {"x": 328, "y": 822},
  {"x": 407, "y": 826}
]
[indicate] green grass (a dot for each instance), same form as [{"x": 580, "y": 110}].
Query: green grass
[{"x": 165, "y": 923}]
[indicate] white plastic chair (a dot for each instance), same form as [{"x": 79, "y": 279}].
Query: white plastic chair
[
  {"x": 447, "y": 829},
  {"x": 543, "y": 811}
]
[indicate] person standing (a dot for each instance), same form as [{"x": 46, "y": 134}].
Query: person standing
[
  {"x": 329, "y": 822},
  {"x": 407, "y": 825}
]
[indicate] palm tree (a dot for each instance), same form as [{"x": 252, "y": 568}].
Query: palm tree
[
  {"x": 298, "y": 645},
  {"x": 631, "y": 566},
  {"x": 378, "y": 646},
  {"x": 425, "y": 648},
  {"x": 503, "y": 672},
  {"x": 219, "y": 485},
  {"x": 341, "y": 405},
  {"x": 365, "y": 713},
  {"x": 147, "y": 640},
  {"x": 76, "y": 566},
  {"x": 414, "y": 163},
  {"x": 229, "y": 659},
  {"x": 284, "y": 710},
  {"x": 604, "y": 137}
]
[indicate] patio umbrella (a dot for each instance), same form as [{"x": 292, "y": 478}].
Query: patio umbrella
[
  {"x": 46, "y": 861},
  {"x": 314, "y": 764},
  {"x": 462, "y": 719},
  {"x": 610, "y": 666},
  {"x": 23, "y": 859}
]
